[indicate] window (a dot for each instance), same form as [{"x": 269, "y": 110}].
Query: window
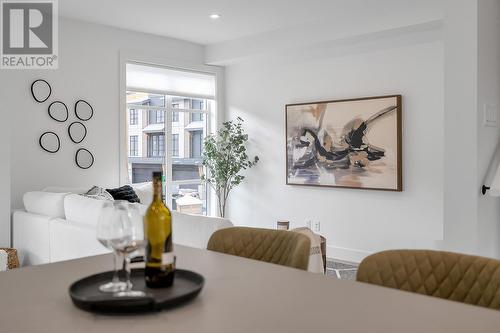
[
  {"x": 196, "y": 144},
  {"x": 134, "y": 117},
  {"x": 198, "y": 104},
  {"x": 175, "y": 145},
  {"x": 156, "y": 116},
  {"x": 156, "y": 145},
  {"x": 134, "y": 145},
  {"x": 195, "y": 116},
  {"x": 182, "y": 131}
]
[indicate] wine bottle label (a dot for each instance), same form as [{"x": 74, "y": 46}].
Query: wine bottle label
[{"x": 167, "y": 258}]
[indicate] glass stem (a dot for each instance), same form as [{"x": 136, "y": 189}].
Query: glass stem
[
  {"x": 115, "y": 263},
  {"x": 126, "y": 268}
]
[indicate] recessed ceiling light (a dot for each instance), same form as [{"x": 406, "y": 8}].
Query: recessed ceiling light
[{"x": 214, "y": 16}]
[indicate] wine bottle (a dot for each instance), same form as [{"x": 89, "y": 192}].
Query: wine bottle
[{"x": 160, "y": 260}]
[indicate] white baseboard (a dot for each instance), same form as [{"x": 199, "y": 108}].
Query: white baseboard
[{"x": 346, "y": 254}]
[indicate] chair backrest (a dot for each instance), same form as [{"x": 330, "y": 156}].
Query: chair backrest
[
  {"x": 280, "y": 247},
  {"x": 453, "y": 276}
]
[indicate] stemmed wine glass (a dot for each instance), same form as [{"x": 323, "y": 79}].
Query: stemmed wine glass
[
  {"x": 109, "y": 214},
  {"x": 127, "y": 238}
]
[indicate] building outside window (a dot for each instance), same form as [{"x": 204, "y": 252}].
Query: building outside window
[
  {"x": 134, "y": 146},
  {"x": 175, "y": 145},
  {"x": 134, "y": 117},
  {"x": 175, "y": 117}
]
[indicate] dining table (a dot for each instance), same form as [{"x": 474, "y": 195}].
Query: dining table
[{"x": 239, "y": 296}]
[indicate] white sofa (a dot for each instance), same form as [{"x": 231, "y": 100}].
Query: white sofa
[{"x": 59, "y": 224}]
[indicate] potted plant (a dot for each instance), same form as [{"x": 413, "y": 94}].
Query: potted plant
[{"x": 225, "y": 157}]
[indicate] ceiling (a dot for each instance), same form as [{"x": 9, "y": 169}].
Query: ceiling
[{"x": 189, "y": 19}]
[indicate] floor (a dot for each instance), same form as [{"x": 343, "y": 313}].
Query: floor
[{"x": 341, "y": 269}]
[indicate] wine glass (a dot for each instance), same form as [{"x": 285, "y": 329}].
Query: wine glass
[
  {"x": 104, "y": 235},
  {"x": 127, "y": 239}
]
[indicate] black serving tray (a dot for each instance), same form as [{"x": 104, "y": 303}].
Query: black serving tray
[{"x": 85, "y": 293}]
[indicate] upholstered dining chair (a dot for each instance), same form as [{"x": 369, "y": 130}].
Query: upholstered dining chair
[
  {"x": 453, "y": 276},
  {"x": 280, "y": 247}
]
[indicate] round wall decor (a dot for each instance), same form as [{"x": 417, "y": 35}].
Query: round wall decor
[
  {"x": 40, "y": 90},
  {"x": 83, "y": 110},
  {"x": 77, "y": 131},
  {"x": 84, "y": 158},
  {"x": 49, "y": 141},
  {"x": 58, "y": 111}
]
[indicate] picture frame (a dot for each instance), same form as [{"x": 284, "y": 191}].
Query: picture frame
[{"x": 351, "y": 143}]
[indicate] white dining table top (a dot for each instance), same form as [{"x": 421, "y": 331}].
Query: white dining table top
[{"x": 239, "y": 296}]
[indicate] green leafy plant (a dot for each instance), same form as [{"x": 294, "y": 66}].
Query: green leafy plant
[{"x": 225, "y": 156}]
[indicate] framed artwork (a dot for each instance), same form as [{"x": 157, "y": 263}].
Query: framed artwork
[{"x": 351, "y": 143}]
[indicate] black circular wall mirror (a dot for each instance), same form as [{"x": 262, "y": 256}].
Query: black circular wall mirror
[
  {"x": 84, "y": 158},
  {"x": 40, "y": 90},
  {"x": 49, "y": 141},
  {"x": 83, "y": 110},
  {"x": 77, "y": 131},
  {"x": 58, "y": 111}
]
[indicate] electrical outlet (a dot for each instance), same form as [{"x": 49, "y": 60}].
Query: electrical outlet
[
  {"x": 317, "y": 226},
  {"x": 309, "y": 224}
]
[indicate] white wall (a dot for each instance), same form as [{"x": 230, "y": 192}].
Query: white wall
[
  {"x": 88, "y": 69},
  {"x": 4, "y": 176},
  {"x": 355, "y": 222},
  {"x": 461, "y": 189}
]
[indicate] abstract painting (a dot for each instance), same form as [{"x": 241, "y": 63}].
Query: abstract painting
[{"x": 352, "y": 143}]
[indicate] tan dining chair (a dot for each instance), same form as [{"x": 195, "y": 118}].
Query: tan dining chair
[
  {"x": 453, "y": 276},
  {"x": 280, "y": 247}
]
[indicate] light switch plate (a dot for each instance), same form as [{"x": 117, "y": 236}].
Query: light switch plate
[{"x": 490, "y": 115}]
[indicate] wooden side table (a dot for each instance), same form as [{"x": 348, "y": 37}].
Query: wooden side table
[{"x": 12, "y": 259}]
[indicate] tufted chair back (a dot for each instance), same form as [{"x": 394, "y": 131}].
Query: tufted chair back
[
  {"x": 453, "y": 276},
  {"x": 280, "y": 247}
]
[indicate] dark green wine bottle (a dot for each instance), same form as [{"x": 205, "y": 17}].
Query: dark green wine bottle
[{"x": 160, "y": 259}]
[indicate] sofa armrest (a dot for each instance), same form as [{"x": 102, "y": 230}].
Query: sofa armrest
[
  {"x": 31, "y": 238},
  {"x": 72, "y": 240}
]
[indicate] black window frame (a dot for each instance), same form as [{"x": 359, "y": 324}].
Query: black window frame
[{"x": 134, "y": 145}]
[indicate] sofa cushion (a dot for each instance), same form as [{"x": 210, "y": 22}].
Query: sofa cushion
[
  {"x": 98, "y": 193},
  {"x": 83, "y": 210},
  {"x": 124, "y": 193},
  {"x": 45, "y": 203},
  {"x": 144, "y": 191}
]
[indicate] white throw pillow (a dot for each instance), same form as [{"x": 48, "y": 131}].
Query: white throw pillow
[
  {"x": 144, "y": 191},
  {"x": 82, "y": 210},
  {"x": 45, "y": 203}
]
